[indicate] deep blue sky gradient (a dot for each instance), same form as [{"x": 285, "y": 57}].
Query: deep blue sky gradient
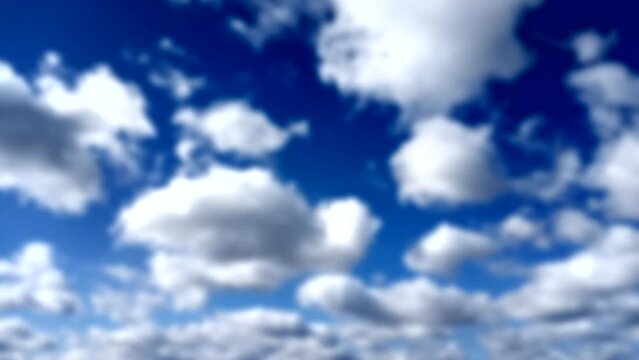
[{"x": 350, "y": 142}]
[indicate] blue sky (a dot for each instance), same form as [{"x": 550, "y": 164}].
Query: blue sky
[{"x": 336, "y": 179}]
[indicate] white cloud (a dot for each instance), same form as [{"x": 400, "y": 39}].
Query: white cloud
[
  {"x": 128, "y": 297},
  {"x": 41, "y": 159},
  {"x": 51, "y": 61},
  {"x": 424, "y": 55},
  {"x": 243, "y": 335},
  {"x": 40, "y": 154},
  {"x": 590, "y": 46},
  {"x": 605, "y": 89},
  {"x": 615, "y": 170},
  {"x": 610, "y": 92},
  {"x": 241, "y": 229},
  {"x": 180, "y": 85},
  {"x": 109, "y": 108},
  {"x": 126, "y": 305},
  {"x": 446, "y": 248},
  {"x": 248, "y": 334},
  {"x": 123, "y": 273},
  {"x": 416, "y": 303},
  {"x": 519, "y": 227},
  {"x": 581, "y": 306},
  {"x": 50, "y": 132},
  {"x": 18, "y": 341},
  {"x": 508, "y": 267},
  {"x": 237, "y": 128},
  {"x": 570, "y": 286},
  {"x": 527, "y": 133},
  {"x": 12, "y": 82},
  {"x": 576, "y": 226},
  {"x": 575, "y": 340},
  {"x": 30, "y": 280},
  {"x": 255, "y": 333},
  {"x": 169, "y": 45},
  {"x": 274, "y": 17},
  {"x": 384, "y": 343},
  {"x": 447, "y": 162},
  {"x": 552, "y": 184}
]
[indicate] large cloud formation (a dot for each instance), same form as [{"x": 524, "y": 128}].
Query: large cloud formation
[
  {"x": 50, "y": 130},
  {"x": 425, "y": 56},
  {"x": 609, "y": 92},
  {"x": 447, "y": 162},
  {"x": 446, "y": 248},
  {"x": 30, "y": 280},
  {"x": 241, "y": 229},
  {"x": 18, "y": 341},
  {"x": 234, "y": 127},
  {"x": 574, "y": 286},
  {"x": 417, "y": 303},
  {"x": 584, "y": 306}
]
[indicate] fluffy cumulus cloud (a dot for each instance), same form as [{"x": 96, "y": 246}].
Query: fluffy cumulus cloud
[
  {"x": 609, "y": 92},
  {"x": 564, "y": 225},
  {"x": 265, "y": 20},
  {"x": 416, "y": 304},
  {"x": 578, "y": 285},
  {"x": 180, "y": 85},
  {"x": 127, "y": 296},
  {"x": 40, "y": 156},
  {"x": 19, "y": 341},
  {"x": 583, "y": 306},
  {"x": 30, "y": 280},
  {"x": 113, "y": 108},
  {"x": 50, "y": 131},
  {"x": 423, "y": 55},
  {"x": 607, "y": 331},
  {"x": 551, "y": 184},
  {"x": 590, "y": 46},
  {"x": 447, "y": 162},
  {"x": 605, "y": 89},
  {"x": 234, "y": 127},
  {"x": 615, "y": 171},
  {"x": 241, "y": 229},
  {"x": 126, "y": 305},
  {"x": 447, "y": 247},
  {"x": 274, "y": 17},
  {"x": 519, "y": 227},
  {"x": 575, "y": 225}
]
